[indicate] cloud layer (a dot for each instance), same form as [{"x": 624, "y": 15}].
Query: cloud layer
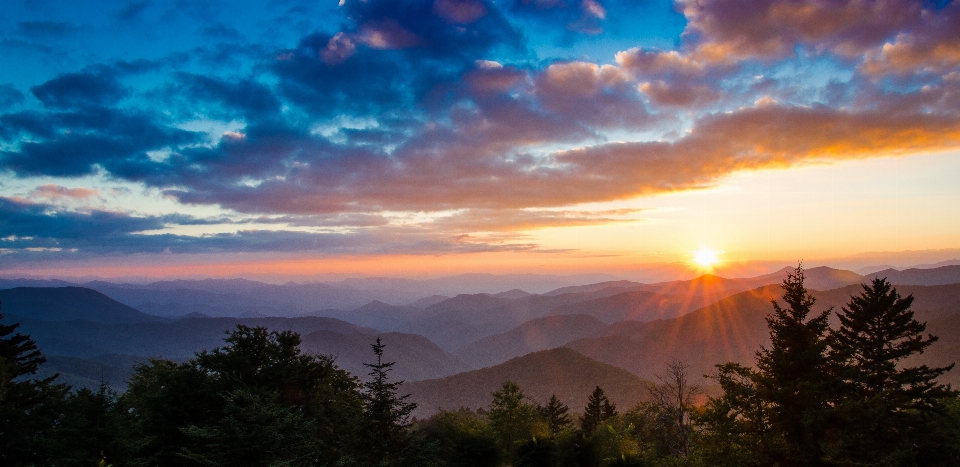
[{"x": 446, "y": 108}]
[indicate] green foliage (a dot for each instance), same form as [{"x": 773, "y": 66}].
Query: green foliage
[
  {"x": 250, "y": 395},
  {"x": 256, "y": 429},
  {"x": 90, "y": 428},
  {"x": 555, "y": 415},
  {"x": 598, "y": 410},
  {"x": 514, "y": 420},
  {"x": 460, "y": 438},
  {"x": 29, "y": 407},
  {"x": 889, "y": 410},
  {"x": 672, "y": 403}
]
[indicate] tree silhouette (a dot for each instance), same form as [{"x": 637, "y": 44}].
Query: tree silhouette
[
  {"x": 555, "y": 414},
  {"x": 885, "y": 403},
  {"x": 796, "y": 374},
  {"x": 598, "y": 409},
  {"x": 386, "y": 413},
  {"x": 28, "y": 406}
]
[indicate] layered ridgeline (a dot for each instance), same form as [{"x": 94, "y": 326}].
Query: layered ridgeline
[
  {"x": 89, "y": 337},
  {"x": 733, "y": 328},
  {"x": 637, "y": 327}
]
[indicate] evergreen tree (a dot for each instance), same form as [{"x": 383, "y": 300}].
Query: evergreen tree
[
  {"x": 254, "y": 395},
  {"x": 513, "y": 420},
  {"x": 780, "y": 413},
  {"x": 28, "y": 406},
  {"x": 885, "y": 403},
  {"x": 386, "y": 414},
  {"x": 598, "y": 410},
  {"x": 796, "y": 374},
  {"x": 92, "y": 428},
  {"x": 555, "y": 415}
]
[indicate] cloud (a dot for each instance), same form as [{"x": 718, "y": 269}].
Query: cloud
[
  {"x": 932, "y": 47},
  {"x": 771, "y": 29},
  {"x": 597, "y": 96},
  {"x": 562, "y": 16},
  {"x": 71, "y": 90},
  {"x": 35, "y": 232},
  {"x": 46, "y": 29},
  {"x": 72, "y": 143},
  {"x": 51, "y": 192},
  {"x": 10, "y": 96},
  {"x": 460, "y": 11},
  {"x": 495, "y": 220}
]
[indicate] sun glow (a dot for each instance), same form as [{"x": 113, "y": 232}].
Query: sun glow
[{"x": 706, "y": 257}]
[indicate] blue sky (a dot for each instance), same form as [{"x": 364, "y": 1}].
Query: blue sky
[{"x": 442, "y": 129}]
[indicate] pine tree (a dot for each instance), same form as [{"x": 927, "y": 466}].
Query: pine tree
[
  {"x": 555, "y": 414},
  {"x": 598, "y": 410},
  {"x": 885, "y": 403},
  {"x": 386, "y": 414},
  {"x": 28, "y": 406},
  {"x": 513, "y": 420},
  {"x": 796, "y": 374}
]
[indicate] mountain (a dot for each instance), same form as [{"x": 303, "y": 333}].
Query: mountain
[
  {"x": 636, "y": 305},
  {"x": 174, "y": 340},
  {"x": 69, "y": 303},
  {"x": 514, "y": 293},
  {"x": 463, "y": 319},
  {"x": 734, "y": 328},
  {"x": 415, "y": 357},
  {"x": 564, "y": 372},
  {"x": 625, "y": 285},
  {"x": 531, "y": 336},
  {"x": 112, "y": 370},
  {"x": 935, "y": 276},
  {"x": 729, "y": 330},
  {"x": 427, "y": 301},
  {"x": 474, "y": 283}
]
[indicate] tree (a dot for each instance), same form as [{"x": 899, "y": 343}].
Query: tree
[
  {"x": 513, "y": 420},
  {"x": 673, "y": 399},
  {"x": 887, "y": 402},
  {"x": 797, "y": 375},
  {"x": 734, "y": 429},
  {"x": 385, "y": 414},
  {"x": 244, "y": 397},
  {"x": 28, "y": 406},
  {"x": 91, "y": 428},
  {"x": 461, "y": 438},
  {"x": 555, "y": 415},
  {"x": 598, "y": 410},
  {"x": 780, "y": 413}
]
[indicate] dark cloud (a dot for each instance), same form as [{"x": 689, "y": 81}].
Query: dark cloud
[
  {"x": 79, "y": 89},
  {"x": 249, "y": 98},
  {"x": 33, "y": 231},
  {"x": 133, "y": 10},
  {"x": 46, "y": 29},
  {"x": 10, "y": 96},
  {"x": 72, "y": 143}
]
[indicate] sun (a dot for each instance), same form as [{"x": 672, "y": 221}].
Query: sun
[{"x": 706, "y": 257}]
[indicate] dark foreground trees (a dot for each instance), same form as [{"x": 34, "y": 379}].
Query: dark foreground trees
[
  {"x": 28, "y": 406},
  {"x": 818, "y": 397},
  {"x": 893, "y": 414},
  {"x": 256, "y": 401}
]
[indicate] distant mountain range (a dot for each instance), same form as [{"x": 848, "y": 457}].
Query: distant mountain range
[{"x": 98, "y": 330}]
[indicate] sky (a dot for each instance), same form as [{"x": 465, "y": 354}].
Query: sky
[{"x": 419, "y": 137}]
